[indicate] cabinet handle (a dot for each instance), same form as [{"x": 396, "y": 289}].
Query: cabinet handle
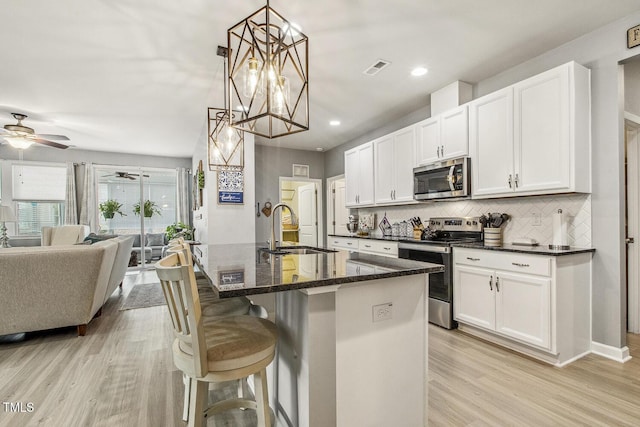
[
  {"x": 497, "y": 284},
  {"x": 442, "y": 150},
  {"x": 510, "y": 181},
  {"x": 391, "y": 194},
  {"x": 491, "y": 283},
  {"x": 516, "y": 180},
  {"x": 473, "y": 259},
  {"x": 519, "y": 265},
  {"x": 438, "y": 151},
  {"x": 394, "y": 194}
]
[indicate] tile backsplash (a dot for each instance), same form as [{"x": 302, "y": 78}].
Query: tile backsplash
[{"x": 577, "y": 207}]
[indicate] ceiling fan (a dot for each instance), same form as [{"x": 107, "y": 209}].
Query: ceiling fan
[
  {"x": 127, "y": 175},
  {"x": 21, "y": 136}
]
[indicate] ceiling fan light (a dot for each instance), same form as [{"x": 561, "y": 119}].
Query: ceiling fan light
[{"x": 19, "y": 142}]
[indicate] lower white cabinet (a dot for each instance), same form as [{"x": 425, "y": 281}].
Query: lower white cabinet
[
  {"x": 348, "y": 243},
  {"x": 378, "y": 247},
  {"x": 536, "y": 304}
]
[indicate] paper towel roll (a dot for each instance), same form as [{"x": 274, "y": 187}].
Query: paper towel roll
[{"x": 559, "y": 229}]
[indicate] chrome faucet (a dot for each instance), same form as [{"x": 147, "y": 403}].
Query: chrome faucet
[{"x": 272, "y": 242}]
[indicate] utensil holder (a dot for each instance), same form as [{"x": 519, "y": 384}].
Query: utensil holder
[{"x": 493, "y": 236}]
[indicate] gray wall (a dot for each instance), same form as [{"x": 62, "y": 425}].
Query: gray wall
[
  {"x": 632, "y": 87},
  {"x": 601, "y": 51},
  {"x": 44, "y": 154},
  {"x": 272, "y": 163}
]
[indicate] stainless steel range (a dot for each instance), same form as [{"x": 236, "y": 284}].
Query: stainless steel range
[{"x": 435, "y": 247}]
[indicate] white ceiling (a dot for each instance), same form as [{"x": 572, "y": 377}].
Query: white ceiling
[{"x": 136, "y": 76}]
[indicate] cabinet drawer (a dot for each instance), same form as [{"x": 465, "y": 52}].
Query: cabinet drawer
[
  {"x": 379, "y": 247},
  {"x": 343, "y": 243},
  {"x": 506, "y": 261}
]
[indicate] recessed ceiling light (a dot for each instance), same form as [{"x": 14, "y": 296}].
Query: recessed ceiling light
[
  {"x": 319, "y": 149},
  {"x": 334, "y": 122},
  {"x": 419, "y": 71}
]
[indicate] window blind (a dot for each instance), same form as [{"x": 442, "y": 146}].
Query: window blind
[{"x": 35, "y": 182}]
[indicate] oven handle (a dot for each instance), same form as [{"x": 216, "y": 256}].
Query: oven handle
[{"x": 424, "y": 247}]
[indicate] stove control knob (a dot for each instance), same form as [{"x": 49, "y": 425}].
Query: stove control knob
[
  {"x": 475, "y": 222},
  {"x": 469, "y": 222}
]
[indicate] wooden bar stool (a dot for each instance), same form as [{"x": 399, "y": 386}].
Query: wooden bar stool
[{"x": 210, "y": 350}]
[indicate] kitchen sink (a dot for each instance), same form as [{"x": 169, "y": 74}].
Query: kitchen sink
[{"x": 297, "y": 250}]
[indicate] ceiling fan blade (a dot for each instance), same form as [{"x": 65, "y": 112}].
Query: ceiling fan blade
[
  {"x": 50, "y": 143},
  {"x": 54, "y": 137}
]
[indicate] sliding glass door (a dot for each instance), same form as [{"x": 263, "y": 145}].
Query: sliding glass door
[{"x": 140, "y": 202}]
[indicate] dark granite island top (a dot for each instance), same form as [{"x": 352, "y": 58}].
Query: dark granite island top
[{"x": 243, "y": 269}]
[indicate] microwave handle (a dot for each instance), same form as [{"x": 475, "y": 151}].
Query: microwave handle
[{"x": 451, "y": 177}]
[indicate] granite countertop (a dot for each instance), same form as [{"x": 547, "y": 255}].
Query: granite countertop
[
  {"x": 245, "y": 269},
  {"x": 534, "y": 250}
]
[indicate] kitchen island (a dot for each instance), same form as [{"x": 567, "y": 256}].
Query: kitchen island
[{"x": 352, "y": 328}]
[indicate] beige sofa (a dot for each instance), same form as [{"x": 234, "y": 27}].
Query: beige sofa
[{"x": 57, "y": 286}]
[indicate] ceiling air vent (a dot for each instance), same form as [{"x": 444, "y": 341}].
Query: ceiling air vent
[{"x": 376, "y": 67}]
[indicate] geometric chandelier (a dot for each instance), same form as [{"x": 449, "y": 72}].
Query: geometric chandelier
[
  {"x": 268, "y": 75},
  {"x": 225, "y": 143}
]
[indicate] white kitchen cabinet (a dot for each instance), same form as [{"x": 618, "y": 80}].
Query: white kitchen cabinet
[
  {"x": 535, "y": 304},
  {"x": 491, "y": 143},
  {"x": 348, "y": 243},
  {"x": 358, "y": 173},
  {"x": 443, "y": 137},
  {"x": 533, "y": 137},
  {"x": 393, "y": 167},
  {"x": 378, "y": 247}
]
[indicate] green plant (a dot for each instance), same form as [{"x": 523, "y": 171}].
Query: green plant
[
  {"x": 110, "y": 207},
  {"x": 149, "y": 209},
  {"x": 200, "y": 175},
  {"x": 178, "y": 229}
]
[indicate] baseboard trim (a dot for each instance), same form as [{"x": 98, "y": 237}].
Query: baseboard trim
[{"x": 614, "y": 353}]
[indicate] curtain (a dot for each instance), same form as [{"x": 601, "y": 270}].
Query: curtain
[
  {"x": 70, "y": 202},
  {"x": 182, "y": 196},
  {"x": 88, "y": 204}
]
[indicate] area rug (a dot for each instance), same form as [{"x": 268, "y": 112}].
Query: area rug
[{"x": 144, "y": 295}]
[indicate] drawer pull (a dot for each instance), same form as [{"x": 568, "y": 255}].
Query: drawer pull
[
  {"x": 517, "y": 264},
  {"x": 349, "y": 243},
  {"x": 387, "y": 249},
  {"x": 473, "y": 259},
  {"x": 367, "y": 246}
]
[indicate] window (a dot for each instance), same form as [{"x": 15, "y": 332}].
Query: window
[{"x": 39, "y": 194}]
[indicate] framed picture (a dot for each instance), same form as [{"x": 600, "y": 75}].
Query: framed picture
[{"x": 231, "y": 186}]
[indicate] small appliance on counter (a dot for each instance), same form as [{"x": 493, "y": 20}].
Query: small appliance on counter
[{"x": 352, "y": 224}]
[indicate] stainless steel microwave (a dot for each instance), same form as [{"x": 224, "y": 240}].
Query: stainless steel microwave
[{"x": 442, "y": 180}]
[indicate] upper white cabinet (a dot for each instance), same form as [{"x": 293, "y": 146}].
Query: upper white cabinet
[
  {"x": 358, "y": 174},
  {"x": 533, "y": 137},
  {"x": 393, "y": 167},
  {"x": 443, "y": 137}
]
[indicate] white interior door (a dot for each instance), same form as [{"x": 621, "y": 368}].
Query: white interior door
[
  {"x": 632, "y": 131},
  {"x": 308, "y": 214},
  {"x": 340, "y": 211}
]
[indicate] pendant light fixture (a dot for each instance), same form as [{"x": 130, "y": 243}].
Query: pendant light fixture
[
  {"x": 226, "y": 144},
  {"x": 268, "y": 75}
]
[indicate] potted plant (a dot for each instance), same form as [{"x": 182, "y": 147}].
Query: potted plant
[
  {"x": 178, "y": 229},
  {"x": 149, "y": 209},
  {"x": 110, "y": 207}
]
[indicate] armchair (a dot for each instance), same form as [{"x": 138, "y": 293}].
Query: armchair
[{"x": 63, "y": 235}]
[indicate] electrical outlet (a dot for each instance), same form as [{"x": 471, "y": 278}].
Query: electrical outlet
[
  {"x": 537, "y": 219},
  {"x": 382, "y": 312}
]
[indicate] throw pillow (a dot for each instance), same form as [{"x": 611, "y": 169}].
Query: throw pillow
[
  {"x": 155, "y": 239},
  {"x": 93, "y": 237},
  {"x": 84, "y": 242}
]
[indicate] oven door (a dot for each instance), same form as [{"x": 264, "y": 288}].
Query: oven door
[
  {"x": 439, "y": 283},
  {"x": 442, "y": 180}
]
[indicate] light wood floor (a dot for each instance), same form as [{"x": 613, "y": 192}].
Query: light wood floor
[{"x": 121, "y": 374}]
